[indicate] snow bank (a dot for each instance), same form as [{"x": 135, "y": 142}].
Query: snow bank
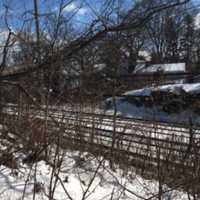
[
  {"x": 76, "y": 179},
  {"x": 193, "y": 88},
  {"x": 136, "y": 108}
]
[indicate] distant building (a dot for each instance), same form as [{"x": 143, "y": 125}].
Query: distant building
[
  {"x": 11, "y": 49},
  {"x": 165, "y": 68}
]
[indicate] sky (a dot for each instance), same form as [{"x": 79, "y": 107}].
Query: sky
[{"x": 85, "y": 10}]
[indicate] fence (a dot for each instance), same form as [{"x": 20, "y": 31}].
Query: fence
[{"x": 134, "y": 138}]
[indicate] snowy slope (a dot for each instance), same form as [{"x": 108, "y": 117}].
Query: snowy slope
[
  {"x": 155, "y": 112},
  {"x": 175, "y": 88},
  {"x": 76, "y": 177}
]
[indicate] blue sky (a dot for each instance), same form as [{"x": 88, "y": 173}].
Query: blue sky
[{"x": 86, "y": 9}]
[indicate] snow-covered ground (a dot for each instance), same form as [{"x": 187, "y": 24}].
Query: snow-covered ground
[
  {"x": 127, "y": 109},
  {"x": 76, "y": 179},
  {"x": 174, "y": 88},
  {"x": 83, "y": 176}
]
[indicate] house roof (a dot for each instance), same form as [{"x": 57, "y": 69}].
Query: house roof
[{"x": 172, "y": 67}]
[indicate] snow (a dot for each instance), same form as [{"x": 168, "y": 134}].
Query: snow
[
  {"x": 126, "y": 109},
  {"x": 145, "y": 54},
  {"x": 129, "y": 110},
  {"x": 172, "y": 67},
  {"x": 197, "y": 21},
  {"x": 193, "y": 88},
  {"x": 139, "y": 67},
  {"x": 140, "y": 92},
  {"x": 78, "y": 177},
  {"x": 99, "y": 67}
]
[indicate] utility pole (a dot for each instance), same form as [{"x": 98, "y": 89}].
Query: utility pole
[{"x": 37, "y": 27}]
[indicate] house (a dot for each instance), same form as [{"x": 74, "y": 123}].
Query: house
[
  {"x": 142, "y": 68},
  {"x": 11, "y": 47}
]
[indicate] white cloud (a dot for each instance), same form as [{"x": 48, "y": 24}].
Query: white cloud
[
  {"x": 82, "y": 11},
  {"x": 72, "y": 7}
]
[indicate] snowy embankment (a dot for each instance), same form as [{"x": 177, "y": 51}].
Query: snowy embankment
[
  {"x": 174, "y": 88},
  {"x": 75, "y": 175},
  {"x": 80, "y": 175},
  {"x": 172, "y": 103}
]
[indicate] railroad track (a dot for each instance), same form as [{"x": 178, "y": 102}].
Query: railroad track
[{"x": 139, "y": 137}]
